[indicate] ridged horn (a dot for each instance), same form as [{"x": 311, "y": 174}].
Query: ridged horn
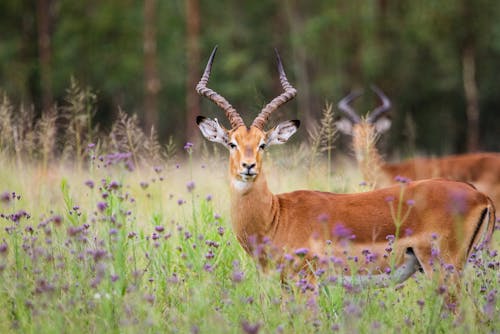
[
  {"x": 344, "y": 106},
  {"x": 288, "y": 94},
  {"x": 384, "y": 107},
  {"x": 202, "y": 89}
]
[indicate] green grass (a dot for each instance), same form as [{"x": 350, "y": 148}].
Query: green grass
[{"x": 141, "y": 252}]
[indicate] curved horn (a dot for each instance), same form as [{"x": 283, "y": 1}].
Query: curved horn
[
  {"x": 202, "y": 89},
  {"x": 344, "y": 106},
  {"x": 288, "y": 94},
  {"x": 386, "y": 105}
]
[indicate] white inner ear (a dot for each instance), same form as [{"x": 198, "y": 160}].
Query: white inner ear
[
  {"x": 281, "y": 133},
  {"x": 213, "y": 131},
  {"x": 382, "y": 124},
  {"x": 344, "y": 125}
]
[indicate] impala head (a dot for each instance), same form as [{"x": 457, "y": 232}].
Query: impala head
[
  {"x": 377, "y": 122},
  {"x": 246, "y": 144}
]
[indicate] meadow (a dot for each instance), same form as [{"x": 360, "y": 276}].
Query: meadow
[{"x": 116, "y": 233}]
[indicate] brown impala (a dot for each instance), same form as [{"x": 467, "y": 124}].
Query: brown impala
[
  {"x": 480, "y": 169},
  {"x": 450, "y": 215}
]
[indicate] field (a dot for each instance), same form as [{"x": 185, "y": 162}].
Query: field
[
  {"x": 117, "y": 233},
  {"x": 105, "y": 249}
]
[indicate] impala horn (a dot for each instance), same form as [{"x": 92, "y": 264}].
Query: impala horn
[
  {"x": 384, "y": 107},
  {"x": 288, "y": 94},
  {"x": 202, "y": 89},
  {"x": 344, "y": 106}
]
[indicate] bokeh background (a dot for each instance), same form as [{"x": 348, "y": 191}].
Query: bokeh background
[{"x": 438, "y": 61}]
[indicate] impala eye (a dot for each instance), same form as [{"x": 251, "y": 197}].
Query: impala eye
[
  {"x": 262, "y": 146},
  {"x": 232, "y": 145}
]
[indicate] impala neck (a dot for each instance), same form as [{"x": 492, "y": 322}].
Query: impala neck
[
  {"x": 253, "y": 210},
  {"x": 369, "y": 160}
]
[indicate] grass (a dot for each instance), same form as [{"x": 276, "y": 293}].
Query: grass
[
  {"x": 127, "y": 236},
  {"x": 106, "y": 249}
]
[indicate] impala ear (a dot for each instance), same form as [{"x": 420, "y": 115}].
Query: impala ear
[
  {"x": 382, "y": 124},
  {"x": 344, "y": 125},
  {"x": 282, "y": 132},
  {"x": 212, "y": 130}
]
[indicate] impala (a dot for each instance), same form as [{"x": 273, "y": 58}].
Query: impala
[
  {"x": 313, "y": 224},
  {"x": 480, "y": 169}
]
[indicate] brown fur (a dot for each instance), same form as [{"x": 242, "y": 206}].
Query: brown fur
[
  {"x": 480, "y": 169},
  {"x": 307, "y": 219}
]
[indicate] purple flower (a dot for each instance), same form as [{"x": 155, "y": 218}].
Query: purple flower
[
  {"x": 3, "y": 248},
  {"x": 5, "y": 197},
  {"x": 208, "y": 198},
  {"x": 250, "y": 328},
  {"x": 389, "y": 199},
  {"x": 101, "y": 206},
  {"x": 301, "y": 251},
  {"x": 402, "y": 179},
  {"x": 188, "y": 146},
  {"x": 144, "y": 185},
  {"x": 220, "y": 230},
  {"x": 190, "y": 186},
  {"x": 90, "y": 184},
  {"x": 410, "y": 202},
  {"x": 341, "y": 231}
]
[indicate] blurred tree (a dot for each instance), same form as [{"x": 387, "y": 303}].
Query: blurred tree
[
  {"x": 193, "y": 67},
  {"x": 44, "y": 15},
  {"x": 151, "y": 80}
]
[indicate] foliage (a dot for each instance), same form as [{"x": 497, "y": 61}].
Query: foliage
[{"x": 412, "y": 50}]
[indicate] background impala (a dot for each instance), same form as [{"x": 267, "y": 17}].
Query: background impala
[
  {"x": 480, "y": 169},
  {"x": 451, "y": 216}
]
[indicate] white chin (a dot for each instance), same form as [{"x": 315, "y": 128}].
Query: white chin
[{"x": 248, "y": 178}]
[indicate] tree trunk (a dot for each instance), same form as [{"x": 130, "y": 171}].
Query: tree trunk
[
  {"x": 44, "y": 52},
  {"x": 471, "y": 96},
  {"x": 193, "y": 66},
  {"x": 151, "y": 80},
  {"x": 296, "y": 25}
]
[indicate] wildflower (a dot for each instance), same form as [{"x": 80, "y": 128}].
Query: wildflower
[
  {"x": 90, "y": 184},
  {"x": 158, "y": 169},
  {"x": 341, "y": 231},
  {"x": 113, "y": 231},
  {"x": 180, "y": 201},
  {"x": 5, "y": 197},
  {"x": 188, "y": 146},
  {"x": 208, "y": 267},
  {"x": 208, "y": 198},
  {"x": 323, "y": 218},
  {"x": 410, "y": 202},
  {"x": 220, "y": 230},
  {"x": 190, "y": 186},
  {"x": 301, "y": 251},
  {"x": 101, "y": 206},
  {"x": 144, "y": 185},
  {"x": 159, "y": 229},
  {"x": 389, "y": 199},
  {"x": 3, "y": 248},
  {"x": 250, "y": 328},
  {"x": 114, "y": 185},
  {"x": 402, "y": 179}
]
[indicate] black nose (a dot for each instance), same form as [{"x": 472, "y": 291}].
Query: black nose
[{"x": 248, "y": 166}]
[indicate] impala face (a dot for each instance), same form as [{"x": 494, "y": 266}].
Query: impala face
[{"x": 246, "y": 144}]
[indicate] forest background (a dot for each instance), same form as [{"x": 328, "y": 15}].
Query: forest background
[{"x": 438, "y": 62}]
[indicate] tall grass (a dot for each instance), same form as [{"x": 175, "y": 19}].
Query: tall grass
[{"x": 128, "y": 246}]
